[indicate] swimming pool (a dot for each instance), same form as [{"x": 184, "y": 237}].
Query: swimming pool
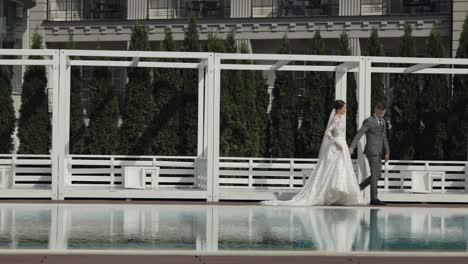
[{"x": 200, "y": 228}]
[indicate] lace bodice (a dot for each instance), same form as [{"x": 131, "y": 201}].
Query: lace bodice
[{"x": 337, "y": 129}]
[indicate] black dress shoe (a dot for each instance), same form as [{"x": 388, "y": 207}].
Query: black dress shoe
[
  {"x": 377, "y": 202},
  {"x": 361, "y": 186}
]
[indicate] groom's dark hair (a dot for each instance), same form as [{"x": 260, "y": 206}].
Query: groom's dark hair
[{"x": 381, "y": 105}]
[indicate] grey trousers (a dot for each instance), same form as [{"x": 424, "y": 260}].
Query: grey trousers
[{"x": 375, "y": 164}]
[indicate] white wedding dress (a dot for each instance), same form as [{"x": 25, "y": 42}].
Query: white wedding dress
[{"x": 333, "y": 181}]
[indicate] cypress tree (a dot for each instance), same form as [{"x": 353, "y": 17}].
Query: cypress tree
[
  {"x": 284, "y": 111},
  {"x": 262, "y": 99},
  {"x": 139, "y": 104},
  {"x": 189, "y": 109},
  {"x": 34, "y": 127},
  {"x": 434, "y": 105},
  {"x": 351, "y": 97},
  {"x": 167, "y": 97},
  {"x": 235, "y": 112},
  {"x": 314, "y": 116},
  {"x": 251, "y": 124},
  {"x": 226, "y": 141},
  {"x": 375, "y": 48},
  {"x": 214, "y": 44},
  {"x": 103, "y": 113},
  {"x": 7, "y": 112},
  {"x": 459, "y": 112},
  {"x": 77, "y": 125},
  {"x": 404, "y": 112}
]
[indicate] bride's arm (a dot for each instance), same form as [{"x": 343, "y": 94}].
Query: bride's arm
[{"x": 329, "y": 131}]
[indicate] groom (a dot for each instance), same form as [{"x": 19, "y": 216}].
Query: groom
[{"x": 374, "y": 128}]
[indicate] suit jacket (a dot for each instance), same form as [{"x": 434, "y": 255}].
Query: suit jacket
[{"x": 376, "y": 136}]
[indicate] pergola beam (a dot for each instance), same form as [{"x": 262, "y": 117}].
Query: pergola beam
[
  {"x": 144, "y": 64},
  {"x": 265, "y": 67},
  {"x": 27, "y": 62},
  {"x": 418, "y": 67},
  {"x": 289, "y": 57},
  {"x": 141, "y": 54},
  {"x": 422, "y": 71},
  {"x": 347, "y": 66},
  {"x": 278, "y": 65}
]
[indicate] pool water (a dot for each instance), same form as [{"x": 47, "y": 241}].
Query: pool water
[{"x": 231, "y": 228}]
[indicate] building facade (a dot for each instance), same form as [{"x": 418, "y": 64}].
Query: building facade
[
  {"x": 262, "y": 22},
  {"x": 106, "y": 24}
]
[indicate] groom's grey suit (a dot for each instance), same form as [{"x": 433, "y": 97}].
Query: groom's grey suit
[{"x": 376, "y": 136}]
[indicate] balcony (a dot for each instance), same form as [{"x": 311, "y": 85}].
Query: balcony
[
  {"x": 182, "y": 9},
  {"x": 77, "y": 10},
  {"x": 294, "y": 8},
  {"x": 405, "y": 7}
]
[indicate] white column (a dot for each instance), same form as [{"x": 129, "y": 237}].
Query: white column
[
  {"x": 216, "y": 101},
  {"x": 364, "y": 100},
  {"x": 241, "y": 8},
  {"x": 56, "y": 143},
  {"x": 340, "y": 85},
  {"x": 349, "y": 7},
  {"x": 210, "y": 155},
  {"x": 64, "y": 122}
]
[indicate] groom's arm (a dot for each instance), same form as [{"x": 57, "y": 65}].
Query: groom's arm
[
  {"x": 385, "y": 140},
  {"x": 361, "y": 132}
]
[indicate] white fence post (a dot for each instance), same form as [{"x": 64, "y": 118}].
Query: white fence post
[{"x": 250, "y": 173}]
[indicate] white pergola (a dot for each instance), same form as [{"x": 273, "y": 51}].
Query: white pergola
[
  {"x": 180, "y": 60},
  {"x": 51, "y": 59},
  {"x": 362, "y": 66},
  {"x": 206, "y": 164}
]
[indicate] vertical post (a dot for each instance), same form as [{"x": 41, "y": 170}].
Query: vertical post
[
  {"x": 201, "y": 114},
  {"x": 340, "y": 86},
  {"x": 206, "y": 102},
  {"x": 56, "y": 144},
  {"x": 209, "y": 116},
  {"x": 364, "y": 98},
  {"x": 213, "y": 125},
  {"x": 64, "y": 115}
]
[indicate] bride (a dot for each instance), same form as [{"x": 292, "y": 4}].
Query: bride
[{"x": 333, "y": 181}]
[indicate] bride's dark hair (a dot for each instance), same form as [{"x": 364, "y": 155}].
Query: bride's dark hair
[{"x": 338, "y": 105}]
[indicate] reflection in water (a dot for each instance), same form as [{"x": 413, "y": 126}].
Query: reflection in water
[{"x": 208, "y": 228}]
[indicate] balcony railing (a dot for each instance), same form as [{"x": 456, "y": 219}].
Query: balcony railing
[
  {"x": 174, "y": 9},
  {"x": 74, "y": 10},
  {"x": 405, "y": 7}
]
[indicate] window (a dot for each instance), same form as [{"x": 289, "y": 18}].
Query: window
[
  {"x": 262, "y": 3},
  {"x": 159, "y": 4}
]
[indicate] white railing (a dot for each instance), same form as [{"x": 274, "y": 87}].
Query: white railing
[
  {"x": 260, "y": 178},
  {"x": 448, "y": 176},
  {"x": 166, "y": 177},
  {"x": 93, "y": 170},
  {"x": 264, "y": 172},
  {"x": 239, "y": 178},
  {"x": 25, "y": 176}
]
